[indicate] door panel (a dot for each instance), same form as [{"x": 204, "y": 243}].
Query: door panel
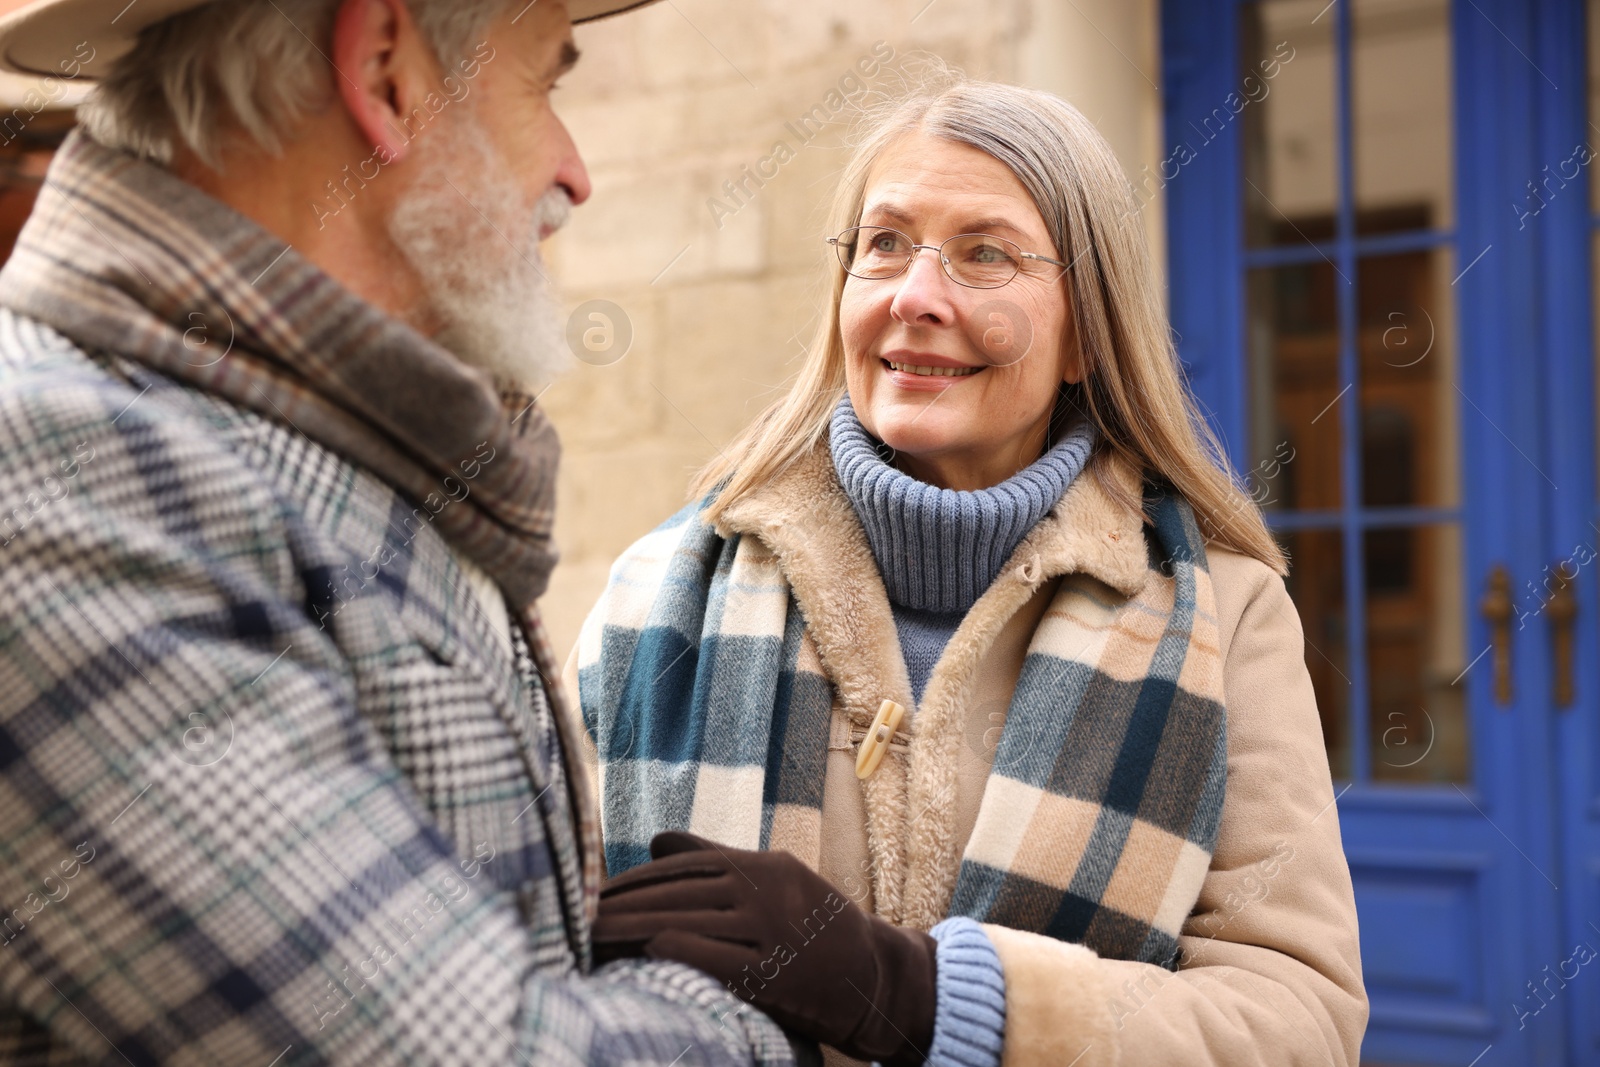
[{"x": 1568, "y": 226}]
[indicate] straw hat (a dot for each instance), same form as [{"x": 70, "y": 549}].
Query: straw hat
[{"x": 78, "y": 39}]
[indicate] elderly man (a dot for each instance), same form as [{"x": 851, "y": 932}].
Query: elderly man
[{"x": 283, "y": 779}]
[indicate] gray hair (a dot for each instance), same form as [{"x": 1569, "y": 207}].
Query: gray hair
[{"x": 243, "y": 67}]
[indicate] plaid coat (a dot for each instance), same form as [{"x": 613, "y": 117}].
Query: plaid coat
[{"x": 274, "y": 787}]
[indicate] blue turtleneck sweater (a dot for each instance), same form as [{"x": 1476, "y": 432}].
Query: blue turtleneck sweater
[{"x": 939, "y": 550}]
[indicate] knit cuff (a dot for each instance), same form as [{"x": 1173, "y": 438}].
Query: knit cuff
[{"x": 969, "y": 1025}]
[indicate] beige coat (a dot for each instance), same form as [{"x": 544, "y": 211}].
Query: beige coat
[{"x": 1271, "y": 970}]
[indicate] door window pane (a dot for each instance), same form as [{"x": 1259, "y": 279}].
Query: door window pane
[
  {"x": 1295, "y": 387},
  {"x": 1401, "y": 115},
  {"x": 1409, "y": 403},
  {"x": 1286, "y": 100},
  {"x": 1415, "y": 654},
  {"x": 1316, "y": 583}
]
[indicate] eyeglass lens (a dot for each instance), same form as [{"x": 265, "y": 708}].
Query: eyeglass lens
[{"x": 975, "y": 259}]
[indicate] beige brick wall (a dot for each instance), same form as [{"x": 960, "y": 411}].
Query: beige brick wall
[{"x": 674, "y": 101}]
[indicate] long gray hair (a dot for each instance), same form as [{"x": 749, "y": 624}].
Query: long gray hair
[{"x": 1132, "y": 389}]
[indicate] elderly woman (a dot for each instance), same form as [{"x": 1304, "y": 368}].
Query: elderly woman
[{"x": 964, "y": 717}]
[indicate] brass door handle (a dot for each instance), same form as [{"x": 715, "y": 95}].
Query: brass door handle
[
  {"x": 1562, "y": 607},
  {"x": 1497, "y": 609}
]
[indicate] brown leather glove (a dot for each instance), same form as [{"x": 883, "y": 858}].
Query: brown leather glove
[{"x": 781, "y": 937}]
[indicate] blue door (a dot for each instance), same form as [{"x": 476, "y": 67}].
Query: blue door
[{"x": 1383, "y": 227}]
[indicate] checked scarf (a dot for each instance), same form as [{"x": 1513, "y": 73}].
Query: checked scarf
[{"x": 709, "y": 706}]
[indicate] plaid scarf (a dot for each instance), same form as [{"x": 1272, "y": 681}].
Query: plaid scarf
[
  {"x": 702, "y": 685},
  {"x": 120, "y": 255}
]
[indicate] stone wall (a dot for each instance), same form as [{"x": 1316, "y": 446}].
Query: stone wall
[{"x": 702, "y": 124}]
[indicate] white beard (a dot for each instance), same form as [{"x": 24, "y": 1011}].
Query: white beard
[{"x": 466, "y": 230}]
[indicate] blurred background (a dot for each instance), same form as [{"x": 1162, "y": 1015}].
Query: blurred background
[{"x": 1376, "y": 220}]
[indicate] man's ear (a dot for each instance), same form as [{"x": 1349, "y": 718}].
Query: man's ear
[{"x": 383, "y": 70}]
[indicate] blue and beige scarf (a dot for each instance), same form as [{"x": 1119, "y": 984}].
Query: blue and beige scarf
[{"x": 702, "y": 686}]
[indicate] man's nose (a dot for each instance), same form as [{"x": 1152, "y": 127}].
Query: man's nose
[{"x": 572, "y": 175}]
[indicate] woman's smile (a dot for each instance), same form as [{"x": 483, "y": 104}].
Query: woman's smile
[{"x": 922, "y": 371}]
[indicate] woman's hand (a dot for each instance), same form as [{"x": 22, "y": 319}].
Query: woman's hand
[{"x": 780, "y": 937}]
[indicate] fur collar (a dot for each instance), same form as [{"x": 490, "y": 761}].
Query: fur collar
[{"x": 805, "y": 518}]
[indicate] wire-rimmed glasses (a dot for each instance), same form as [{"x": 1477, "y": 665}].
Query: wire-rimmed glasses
[{"x": 976, "y": 260}]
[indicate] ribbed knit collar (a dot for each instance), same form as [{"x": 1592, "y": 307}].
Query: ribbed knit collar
[{"x": 939, "y": 549}]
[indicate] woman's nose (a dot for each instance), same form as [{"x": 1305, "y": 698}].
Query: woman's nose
[{"x": 924, "y": 294}]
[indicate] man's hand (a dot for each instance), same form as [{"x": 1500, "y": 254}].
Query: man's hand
[{"x": 781, "y": 937}]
